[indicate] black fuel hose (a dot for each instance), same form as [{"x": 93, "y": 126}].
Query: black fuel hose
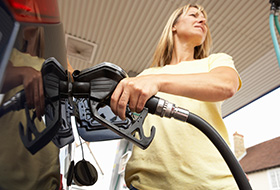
[
  {"x": 224, "y": 150},
  {"x": 164, "y": 108}
]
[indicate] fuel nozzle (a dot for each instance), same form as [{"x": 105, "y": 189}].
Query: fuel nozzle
[
  {"x": 275, "y": 4},
  {"x": 13, "y": 104},
  {"x": 163, "y": 108}
]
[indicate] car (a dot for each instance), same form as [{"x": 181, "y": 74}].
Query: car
[
  {"x": 43, "y": 16},
  {"x": 31, "y": 34}
]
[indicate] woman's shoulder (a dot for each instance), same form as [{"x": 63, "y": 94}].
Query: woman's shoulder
[
  {"x": 219, "y": 56},
  {"x": 220, "y": 59},
  {"x": 151, "y": 70}
]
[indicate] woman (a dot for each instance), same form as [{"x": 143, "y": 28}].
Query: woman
[{"x": 180, "y": 156}]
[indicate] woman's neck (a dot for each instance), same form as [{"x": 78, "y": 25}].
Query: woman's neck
[{"x": 182, "y": 52}]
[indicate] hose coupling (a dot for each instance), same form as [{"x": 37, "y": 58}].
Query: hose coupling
[{"x": 167, "y": 109}]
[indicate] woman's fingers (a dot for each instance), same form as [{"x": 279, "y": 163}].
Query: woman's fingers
[
  {"x": 123, "y": 94},
  {"x": 42, "y": 97},
  {"x": 29, "y": 96},
  {"x": 133, "y": 91},
  {"x": 34, "y": 92},
  {"x": 141, "y": 102},
  {"x": 123, "y": 101},
  {"x": 39, "y": 98},
  {"x": 115, "y": 98}
]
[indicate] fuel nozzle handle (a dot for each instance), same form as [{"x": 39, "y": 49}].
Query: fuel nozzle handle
[{"x": 163, "y": 108}]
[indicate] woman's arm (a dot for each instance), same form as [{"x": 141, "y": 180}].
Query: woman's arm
[{"x": 219, "y": 84}]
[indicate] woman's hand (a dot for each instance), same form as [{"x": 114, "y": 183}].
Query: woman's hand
[
  {"x": 32, "y": 82},
  {"x": 135, "y": 91},
  {"x": 34, "y": 92}
]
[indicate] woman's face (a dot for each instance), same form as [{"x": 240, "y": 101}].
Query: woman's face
[{"x": 191, "y": 26}]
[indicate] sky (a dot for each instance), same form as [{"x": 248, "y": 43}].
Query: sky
[{"x": 258, "y": 121}]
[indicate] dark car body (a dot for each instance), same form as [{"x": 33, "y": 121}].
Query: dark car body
[{"x": 41, "y": 15}]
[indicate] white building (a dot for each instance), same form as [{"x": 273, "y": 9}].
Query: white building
[{"x": 261, "y": 163}]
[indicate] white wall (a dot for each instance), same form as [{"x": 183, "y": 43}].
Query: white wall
[{"x": 259, "y": 180}]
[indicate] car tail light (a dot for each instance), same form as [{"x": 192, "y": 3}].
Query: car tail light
[{"x": 36, "y": 11}]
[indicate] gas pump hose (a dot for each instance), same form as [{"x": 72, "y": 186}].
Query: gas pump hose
[{"x": 164, "y": 108}]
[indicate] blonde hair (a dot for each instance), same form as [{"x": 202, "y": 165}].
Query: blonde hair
[{"x": 164, "y": 49}]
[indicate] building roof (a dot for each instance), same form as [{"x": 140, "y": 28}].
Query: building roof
[{"x": 262, "y": 156}]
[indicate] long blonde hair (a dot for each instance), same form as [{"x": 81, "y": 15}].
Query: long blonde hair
[{"x": 164, "y": 49}]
